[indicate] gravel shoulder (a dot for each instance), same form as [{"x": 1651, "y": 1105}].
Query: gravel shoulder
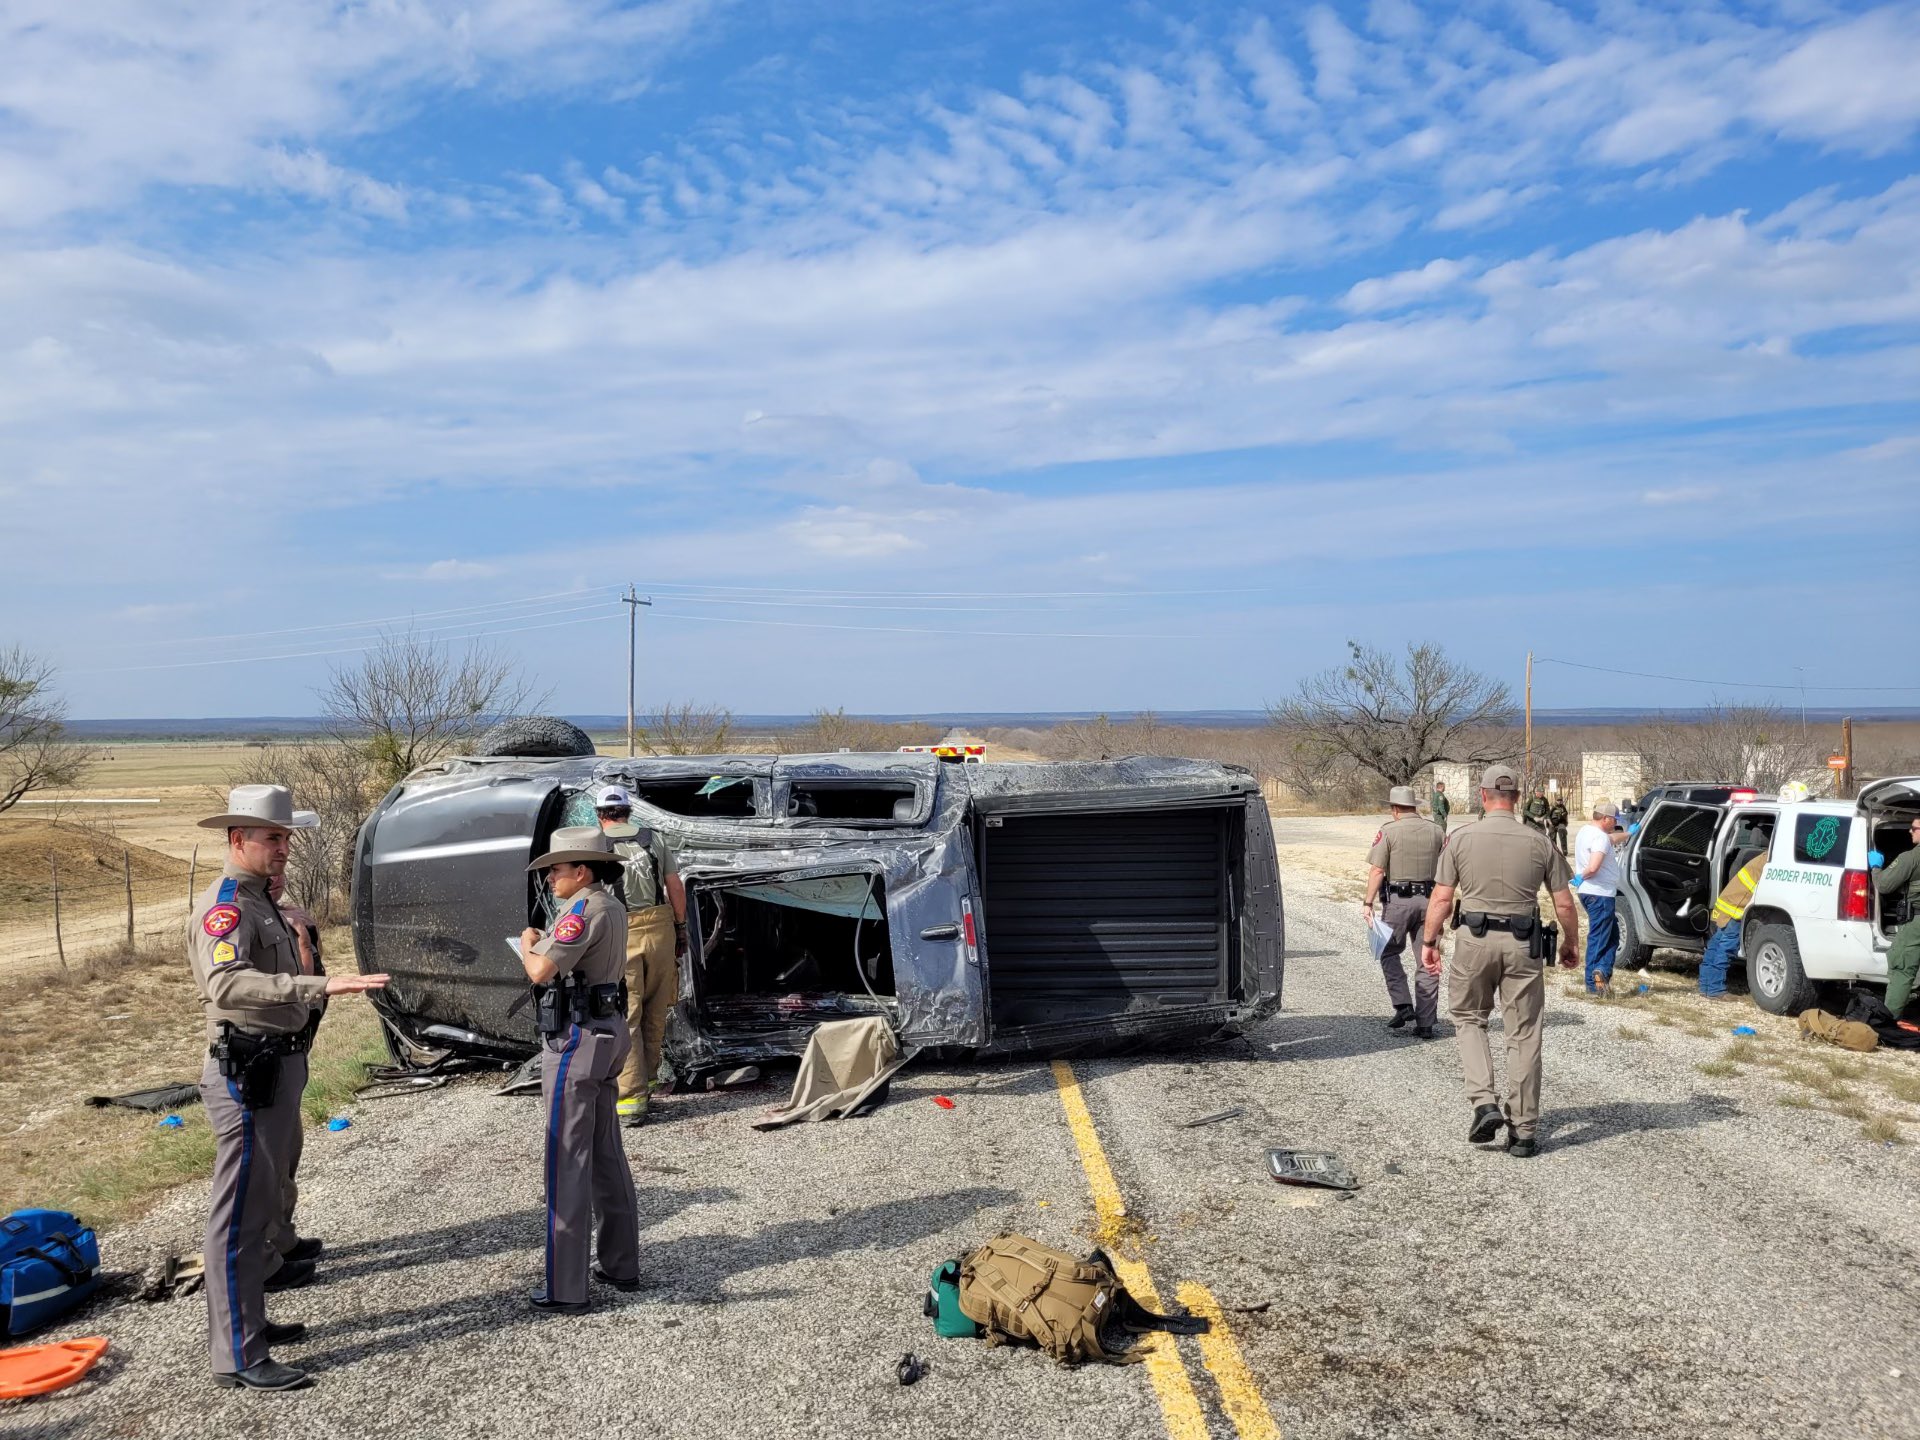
[{"x": 1687, "y": 1256}]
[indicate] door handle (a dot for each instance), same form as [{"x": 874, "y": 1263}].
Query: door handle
[{"x": 948, "y": 931}]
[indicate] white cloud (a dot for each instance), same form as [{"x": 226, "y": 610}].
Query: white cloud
[
  {"x": 1680, "y": 495},
  {"x": 440, "y": 570},
  {"x": 1389, "y": 292}
]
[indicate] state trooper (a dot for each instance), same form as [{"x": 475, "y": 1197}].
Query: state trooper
[
  {"x": 656, "y": 938},
  {"x": 1400, "y": 869},
  {"x": 575, "y": 966},
  {"x": 287, "y": 1242},
  {"x": 258, "y": 1005},
  {"x": 1488, "y": 882}
]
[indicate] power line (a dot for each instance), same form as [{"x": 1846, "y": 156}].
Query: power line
[
  {"x": 953, "y": 594},
  {"x": 346, "y": 650},
  {"x": 920, "y": 630},
  {"x": 377, "y": 620},
  {"x": 1730, "y": 684}
]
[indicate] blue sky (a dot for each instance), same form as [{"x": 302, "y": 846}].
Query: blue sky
[{"x": 1009, "y": 358}]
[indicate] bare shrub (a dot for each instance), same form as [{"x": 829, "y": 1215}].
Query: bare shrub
[
  {"x": 340, "y": 782},
  {"x": 35, "y": 753},
  {"x": 685, "y": 729},
  {"x": 412, "y": 701},
  {"x": 832, "y": 730},
  {"x": 1759, "y": 745},
  {"x": 1394, "y": 719}
]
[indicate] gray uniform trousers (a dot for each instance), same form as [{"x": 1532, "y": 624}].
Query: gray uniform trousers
[
  {"x": 1405, "y": 914},
  {"x": 587, "y": 1171},
  {"x": 251, "y": 1149},
  {"x": 1497, "y": 966}
]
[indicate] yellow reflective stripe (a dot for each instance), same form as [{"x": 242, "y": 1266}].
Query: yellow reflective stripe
[
  {"x": 1752, "y": 882},
  {"x": 1732, "y": 912}
]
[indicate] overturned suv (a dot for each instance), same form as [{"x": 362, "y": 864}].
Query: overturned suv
[{"x": 992, "y": 909}]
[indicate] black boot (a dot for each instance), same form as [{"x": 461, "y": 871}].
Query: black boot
[
  {"x": 291, "y": 1276},
  {"x": 267, "y": 1375},
  {"x": 1402, "y": 1014},
  {"x": 1487, "y": 1123},
  {"x": 285, "y": 1334},
  {"x": 540, "y": 1301},
  {"x": 1522, "y": 1147},
  {"x": 1424, "y": 1032}
]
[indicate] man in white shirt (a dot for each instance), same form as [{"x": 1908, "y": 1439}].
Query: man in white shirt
[{"x": 1596, "y": 880}]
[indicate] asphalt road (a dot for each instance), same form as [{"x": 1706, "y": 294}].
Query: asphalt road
[{"x": 1686, "y": 1257}]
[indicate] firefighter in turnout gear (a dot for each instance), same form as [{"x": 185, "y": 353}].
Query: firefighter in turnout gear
[
  {"x": 260, "y": 1005},
  {"x": 1728, "y": 910},
  {"x": 1900, "y": 883},
  {"x": 1400, "y": 869},
  {"x": 656, "y": 936},
  {"x": 1489, "y": 882},
  {"x": 576, "y": 965}
]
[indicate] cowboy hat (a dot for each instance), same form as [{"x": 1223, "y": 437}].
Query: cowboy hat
[
  {"x": 577, "y": 845},
  {"x": 264, "y": 805}
]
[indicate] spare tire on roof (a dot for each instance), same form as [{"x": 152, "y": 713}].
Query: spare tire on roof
[{"x": 542, "y": 737}]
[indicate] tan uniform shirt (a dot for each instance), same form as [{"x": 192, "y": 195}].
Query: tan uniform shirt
[
  {"x": 1407, "y": 849},
  {"x": 589, "y": 935},
  {"x": 1497, "y": 865},
  {"x": 246, "y": 961}
]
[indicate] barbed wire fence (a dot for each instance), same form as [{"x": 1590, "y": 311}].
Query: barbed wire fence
[{"x": 92, "y": 912}]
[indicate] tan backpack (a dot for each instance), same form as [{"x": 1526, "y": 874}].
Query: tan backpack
[
  {"x": 1847, "y": 1034},
  {"x": 1019, "y": 1290}
]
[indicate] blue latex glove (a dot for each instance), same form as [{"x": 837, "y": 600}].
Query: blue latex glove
[
  {"x": 1634, "y": 829},
  {"x": 1875, "y": 859}
]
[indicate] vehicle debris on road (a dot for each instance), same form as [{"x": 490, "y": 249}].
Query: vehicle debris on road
[
  {"x": 1310, "y": 1167},
  {"x": 1232, "y": 1112}
]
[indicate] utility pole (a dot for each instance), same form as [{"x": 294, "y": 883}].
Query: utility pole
[
  {"x": 1527, "y": 781},
  {"x": 1803, "y": 700},
  {"x": 633, "y": 603}
]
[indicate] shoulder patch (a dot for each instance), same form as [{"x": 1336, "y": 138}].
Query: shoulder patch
[
  {"x": 570, "y": 928},
  {"x": 1379, "y": 834},
  {"x": 222, "y": 919},
  {"x": 224, "y": 953},
  {"x": 229, "y": 887},
  {"x": 579, "y": 906}
]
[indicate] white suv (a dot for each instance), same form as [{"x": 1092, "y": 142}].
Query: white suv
[{"x": 1815, "y": 915}]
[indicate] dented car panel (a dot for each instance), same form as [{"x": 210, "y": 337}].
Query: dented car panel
[{"x": 1128, "y": 900}]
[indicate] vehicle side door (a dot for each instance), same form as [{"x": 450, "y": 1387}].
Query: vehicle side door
[{"x": 1671, "y": 864}]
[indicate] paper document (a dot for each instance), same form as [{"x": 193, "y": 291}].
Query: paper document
[
  {"x": 1378, "y": 934},
  {"x": 513, "y": 944}
]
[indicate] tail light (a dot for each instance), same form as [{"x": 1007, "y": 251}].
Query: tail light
[{"x": 1856, "y": 895}]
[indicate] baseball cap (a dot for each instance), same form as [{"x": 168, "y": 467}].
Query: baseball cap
[
  {"x": 1401, "y": 795},
  {"x": 613, "y": 797},
  {"x": 1607, "y": 807},
  {"x": 1500, "y": 777}
]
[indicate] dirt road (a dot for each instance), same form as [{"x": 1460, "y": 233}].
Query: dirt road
[{"x": 1688, "y": 1257}]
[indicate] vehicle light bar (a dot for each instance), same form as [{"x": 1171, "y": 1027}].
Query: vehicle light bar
[{"x": 1856, "y": 895}]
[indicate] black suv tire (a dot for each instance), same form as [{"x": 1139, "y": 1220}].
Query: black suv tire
[
  {"x": 1779, "y": 985},
  {"x": 1632, "y": 955},
  {"x": 537, "y": 737}
]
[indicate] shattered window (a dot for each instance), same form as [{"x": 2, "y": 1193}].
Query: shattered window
[
  {"x": 865, "y": 800},
  {"x": 713, "y": 796}
]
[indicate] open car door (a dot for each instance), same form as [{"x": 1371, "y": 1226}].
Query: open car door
[{"x": 1671, "y": 865}]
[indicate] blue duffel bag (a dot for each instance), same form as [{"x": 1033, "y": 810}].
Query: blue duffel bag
[{"x": 49, "y": 1263}]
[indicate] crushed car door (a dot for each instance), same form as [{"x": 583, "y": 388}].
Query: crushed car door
[{"x": 782, "y": 947}]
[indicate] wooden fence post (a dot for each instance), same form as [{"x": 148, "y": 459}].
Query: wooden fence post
[
  {"x": 126, "y": 870},
  {"x": 59, "y": 943},
  {"x": 193, "y": 865}
]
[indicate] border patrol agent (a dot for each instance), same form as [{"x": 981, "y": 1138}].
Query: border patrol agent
[
  {"x": 1442, "y": 807},
  {"x": 1901, "y": 881},
  {"x": 581, "y": 1008},
  {"x": 656, "y": 937},
  {"x": 1405, "y": 853},
  {"x": 1494, "y": 868},
  {"x": 258, "y": 1006}
]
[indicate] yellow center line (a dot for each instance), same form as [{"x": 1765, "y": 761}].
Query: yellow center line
[
  {"x": 1239, "y": 1391},
  {"x": 1178, "y": 1404}
]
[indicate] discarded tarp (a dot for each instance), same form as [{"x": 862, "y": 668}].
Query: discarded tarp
[
  {"x": 160, "y": 1097},
  {"x": 846, "y": 1064},
  {"x": 846, "y": 895}
]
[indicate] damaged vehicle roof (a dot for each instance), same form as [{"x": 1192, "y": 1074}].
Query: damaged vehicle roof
[{"x": 993, "y": 908}]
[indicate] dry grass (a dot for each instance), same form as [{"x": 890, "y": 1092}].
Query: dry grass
[
  {"x": 1627, "y": 1032},
  {"x": 1717, "y": 1068},
  {"x": 131, "y": 1024},
  {"x": 1882, "y": 1129}
]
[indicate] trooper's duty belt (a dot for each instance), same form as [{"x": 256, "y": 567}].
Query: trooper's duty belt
[
  {"x": 1405, "y": 888},
  {"x": 1521, "y": 927},
  {"x": 569, "y": 1000},
  {"x": 254, "y": 1060}
]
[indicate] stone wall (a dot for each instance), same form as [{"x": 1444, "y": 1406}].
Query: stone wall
[
  {"x": 1461, "y": 791},
  {"x": 1605, "y": 775}
]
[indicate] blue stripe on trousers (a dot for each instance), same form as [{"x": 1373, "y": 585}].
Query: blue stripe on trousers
[
  {"x": 234, "y": 1223},
  {"x": 553, "y": 1140}
]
